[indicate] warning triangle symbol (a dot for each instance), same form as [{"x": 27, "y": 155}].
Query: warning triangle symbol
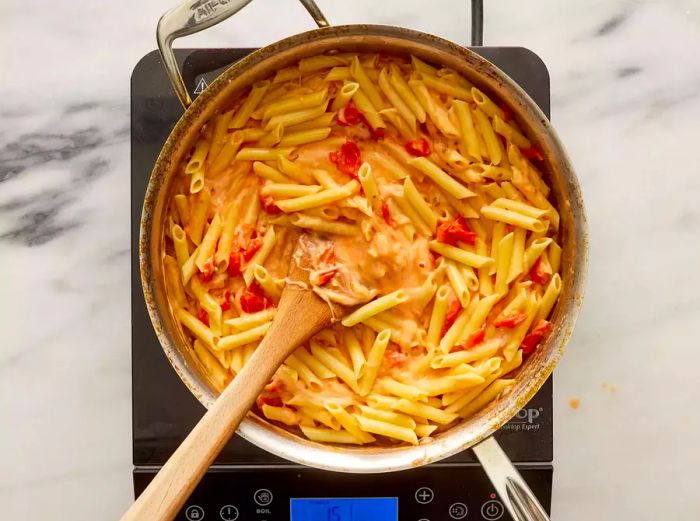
[{"x": 200, "y": 86}]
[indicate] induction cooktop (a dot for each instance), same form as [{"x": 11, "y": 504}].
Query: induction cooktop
[{"x": 246, "y": 482}]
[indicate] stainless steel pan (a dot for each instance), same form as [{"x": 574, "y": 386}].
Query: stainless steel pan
[{"x": 193, "y": 16}]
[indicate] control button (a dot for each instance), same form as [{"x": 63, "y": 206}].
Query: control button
[
  {"x": 194, "y": 513},
  {"x": 492, "y": 510},
  {"x": 263, "y": 497},
  {"x": 228, "y": 513},
  {"x": 458, "y": 511},
  {"x": 424, "y": 495}
]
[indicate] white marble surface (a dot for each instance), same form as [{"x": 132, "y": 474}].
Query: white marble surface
[{"x": 626, "y": 100}]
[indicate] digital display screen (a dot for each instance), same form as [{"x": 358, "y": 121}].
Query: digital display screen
[{"x": 345, "y": 509}]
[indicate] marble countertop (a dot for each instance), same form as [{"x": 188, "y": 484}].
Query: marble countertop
[{"x": 625, "y": 81}]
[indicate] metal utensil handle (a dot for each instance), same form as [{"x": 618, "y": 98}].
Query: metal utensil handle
[
  {"x": 509, "y": 484},
  {"x": 192, "y": 16}
]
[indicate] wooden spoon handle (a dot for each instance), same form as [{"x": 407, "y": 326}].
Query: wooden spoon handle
[
  {"x": 300, "y": 314},
  {"x": 170, "y": 488}
]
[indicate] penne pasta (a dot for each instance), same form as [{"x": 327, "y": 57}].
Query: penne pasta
[
  {"x": 366, "y": 84},
  {"x": 294, "y": 118},
  {"x": 195, "y": 228},
  {"x": 322, "y": 435},
  {"x": 251, "y": 102},
  {"x": 549, "y": 297},
  {"x": 416, "y": 200},
  {"x": 393, "y": 96},
  {"x": 444, "y": 87},
  {"x": 439, "y": 238},
  {"x": 318, "y": 369},
  {"x": 315, "y": 63},
  {"x": 517, "y": 260},
  {"x": 510, "y": 133},
  {"x": 319, "y": 224},
  {"x": 249, "y": 321},
  {"x": 441, "y": 178},
  {"x": 294, "y": 104},
  {"x": 268, "y": 243},
  {"x": 262, "y": 154},
  {"x": 228, "y": 152},
  {"x": 370, "y": 112},
  {"x": 488, "y": 395},
  {"x": 374, "y": 359},
  {"x": 514, "y": 218},
  {"x": 493, "y": 147},
  {"x": 341, "y": 73},
  {"x": 305, "y": 136},
  {"x": 286, "y": 74},
  {"x": 338, "y": 368},
  {"x": 281, "y": 414},
  {"x": 387, "y": 429},
  {"x": 199, "y": 156},
  {"x": 357, "y": 356},
  {"x": 422, "y": 67},
  {"x": 375, "y": 307},
  {"x": 293, "y": 170},
  {"x": 437, "y": 114},
  {"x": 437, "y": 317},
  {"x": 458, "y": 283},
  {"x": 198, "y": 329},
  {"x": 460, "y": 255},
  {"x": 533, "y": 252},
  {"x": 205, "y": 254},
  {"x": 485, "y": 350},
  {"x": 486, "y": 105},
  {"x": 345, "y": 94},
  {"x": 218, "y": 374},
  {"x": 269, "y": 286},
  {"x": 319, "y": 199},
  {"x": 349, "y": 422}
]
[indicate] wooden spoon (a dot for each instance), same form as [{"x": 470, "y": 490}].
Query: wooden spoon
[{"x": 300, "y": 314}]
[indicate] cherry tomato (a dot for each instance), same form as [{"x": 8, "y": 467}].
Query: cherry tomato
[
  {"x": 453, "y": 232},
  {"x": 269, "y": 205},
  {"x": 252, "y": 248},
  {"x": 532, "y": 340},
  {"x": 507, "y": 116},
  {"x": 325, "y": 276},
  {"x": 476, "y": 338},
  {"x": 386, "y": 215},
  {"x": 203, "y": 317},
  {"x": 451, "y": 315},
  {"x": 510, "y": 320},
  {"x": 234, "y": 262},
  {"x": 418, "y": 147},
  {"x": 532, "y": 153},
  {"x": 350, "y": 115},
  {"x": 226, "y": 303},
  {"x": 347, "y": 159},
  {"x": 539, "y": 272},
  {"x": 253, "y": 299}
]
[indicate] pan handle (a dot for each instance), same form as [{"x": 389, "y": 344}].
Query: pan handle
[
  {"x": 192, "y": 16},
  {"x": 509, "y": 484}
]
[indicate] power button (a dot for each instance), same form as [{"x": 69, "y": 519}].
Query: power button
[{"x": 492, "y": 510}]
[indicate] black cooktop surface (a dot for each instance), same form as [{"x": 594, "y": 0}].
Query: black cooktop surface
[{"x": 164, "y": 411}]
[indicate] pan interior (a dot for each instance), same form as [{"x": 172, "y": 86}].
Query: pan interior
[{"x": 565, "y": 195}]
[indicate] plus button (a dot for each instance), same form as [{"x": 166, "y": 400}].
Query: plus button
[{"x": 424, "y": 495}]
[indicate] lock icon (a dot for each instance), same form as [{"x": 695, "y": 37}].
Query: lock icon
[{"x": 194, "y": 513}]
